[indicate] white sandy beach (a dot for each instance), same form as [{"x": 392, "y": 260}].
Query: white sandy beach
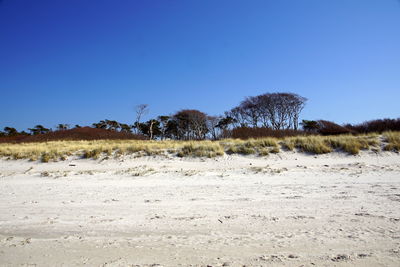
[{"x": 289, "y": 209}]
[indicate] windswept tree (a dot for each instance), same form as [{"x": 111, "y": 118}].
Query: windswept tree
[
  {"x": 107, "y": 124},
  {"x": 112, "y": 125},
  {"x": 225, "y": 122},
  {"x": 190, "y": 124},
  {"x": 250, "y": 111},
  {"x": 10, "y": 131},
  {"x": 100, "y": 125},
  {"x": 39, "y": 129},
  {"x": 62, "y": 126},
  {"x": 125, "y": 128},
  {"x": 151, "y": 129},
  {"x": 273, "y": 110}
]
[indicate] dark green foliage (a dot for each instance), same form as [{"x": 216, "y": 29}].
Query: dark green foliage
[{"x": 39, "y": 129}]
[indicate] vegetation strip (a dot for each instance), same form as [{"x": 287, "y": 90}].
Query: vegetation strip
[{"x": 60, "y": 150}]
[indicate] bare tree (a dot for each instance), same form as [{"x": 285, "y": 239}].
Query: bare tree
[
  {"x": 273, "y": 110},
  {"x": 238, "y": 117},
  {"x": 213, "y": 126},
  {"x": 141, "y": 110},
  {"x": 250, "y": 111}
]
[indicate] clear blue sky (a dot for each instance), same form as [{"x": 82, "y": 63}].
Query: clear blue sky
[{"x": 80, "y": 61}]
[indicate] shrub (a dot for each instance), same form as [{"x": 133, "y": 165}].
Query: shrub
[
  {"x": 259, "y": 132},
  {"x": 377, "y": 126},
  {"x": 331, "y": 128}
]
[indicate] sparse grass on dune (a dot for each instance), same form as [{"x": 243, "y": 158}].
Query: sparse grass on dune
[
  {"x": 393, "y": 141},
  {"x": 309, "y": 144},
  {"x": 326, "y": 144},
  {"x": 60, "y": 150},
  {"x": 262, "y": 146},
  {"x": 201, "y": 149},
  {"x": 350, "y": 144}
]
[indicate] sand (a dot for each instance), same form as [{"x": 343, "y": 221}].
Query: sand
[{"x": 289, "y": 209}]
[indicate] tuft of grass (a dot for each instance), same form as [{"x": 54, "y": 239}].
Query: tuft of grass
[
  {"x": 93, "y": 153},
  {"x": 45, "y": 157},
  {"x": 263, "y": 152},
  {"x": 275, "y": 150}
]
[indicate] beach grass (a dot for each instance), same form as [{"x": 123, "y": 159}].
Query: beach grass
[
  {"x": 393, "y": 141},
  {"x": 61, "y": 150}
]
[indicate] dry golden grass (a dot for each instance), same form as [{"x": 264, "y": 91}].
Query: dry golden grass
[
  {"x": 60, "y": 150},
  {"x": 393, "y": 141},
  {"x": 326, "y": 144},
  {"x": 262, "y": 146},
  {"x": 201, "y": 149}
]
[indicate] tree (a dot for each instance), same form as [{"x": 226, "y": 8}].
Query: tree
[
  {"x": 100, "y": 125},
  {"x": 39, "y": 129},
  {"x": 272, "y": 110},
  {"x": 225, "y": 122},
  {"x": 125, "y": 128},
  {"x": 112, "y": 125},
  {"x": 10, "y": 131},
  {"x": 212, "y": 125},
  {"x": 190, "y": 124},
  {"x": 163, "y": 125},
  {"x": 238, "y": 116},
  {"x": 250, "y": 111},
  {"x": 141, "y": 110},
  {"x": 62, "y": 127},
  {"x": 309, "y": 126},
  {"x": 172, "y": 129},
  {"x": 150, "y": 128}
]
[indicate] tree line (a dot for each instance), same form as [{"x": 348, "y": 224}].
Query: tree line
[{"x": 269, "y": 114}]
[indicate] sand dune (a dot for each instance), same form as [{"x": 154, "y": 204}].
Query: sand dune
[{"x": 289, "y": 209}]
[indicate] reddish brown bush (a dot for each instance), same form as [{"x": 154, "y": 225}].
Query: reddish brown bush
[
  {"x": 377, "y": 126},
  {"x": 246, "y": 133},
  {"x": 331, "y": 128},
  {"x": 84, "y": 133}
]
